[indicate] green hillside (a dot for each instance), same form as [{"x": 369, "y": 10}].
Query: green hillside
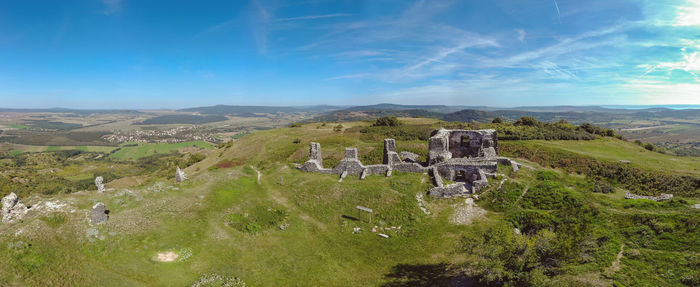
[{"x": 284, "y": 227}]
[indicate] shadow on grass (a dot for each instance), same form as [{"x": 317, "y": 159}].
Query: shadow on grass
[
  {"x": 427, "y": 275},
  {"x": 349, "y": 217}
]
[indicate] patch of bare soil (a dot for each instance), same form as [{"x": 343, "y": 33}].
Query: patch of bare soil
[
  {"x": 166, "y": 256},
  {"x": 467, "y": 212}
]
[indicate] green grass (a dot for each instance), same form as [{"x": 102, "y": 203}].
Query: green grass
[
  {"x": 613, "y": 150},
  {"x": 143, "y": 150},
  {"x": 53, "y": 148},
  {"x": 15, "y": 152},
  {"x": 18, "y": 126}
]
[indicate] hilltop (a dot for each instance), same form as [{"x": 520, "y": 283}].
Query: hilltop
[{"x": 246, "y": 212}]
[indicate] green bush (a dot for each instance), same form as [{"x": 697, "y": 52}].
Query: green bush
[
  {"x": 549, "y": 195},
  {"x": 545, "y": 175},
  {"x": 387, "y": 122},
  {"x": 503, "y": 198},
  {"x": 528, "y": 121}
]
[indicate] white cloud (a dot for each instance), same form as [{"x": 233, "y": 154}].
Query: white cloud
[
  {"x": 690, "y": 64},
  {"x": 654, "y": 92},
  {"x": 311, "y": 17},
  {"x": 689, "y": 14}
]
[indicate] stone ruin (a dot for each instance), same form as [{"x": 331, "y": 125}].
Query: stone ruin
[
  {"x": 99, "y": 213},
  {"x": 179, "y": 175},
  {"x": 466, "y": 157},
  {"x": 12, "y": 208},
  {"x": 99, "y": 184},
  {"x": 661, "y": 197}
]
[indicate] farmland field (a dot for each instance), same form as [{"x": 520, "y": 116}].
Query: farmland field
[{"x": 143, "y": 150}]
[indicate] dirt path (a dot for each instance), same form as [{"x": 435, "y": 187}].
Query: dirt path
[
  {"x": 615, "y": 266},
  {"x": 259, "y": 174}
]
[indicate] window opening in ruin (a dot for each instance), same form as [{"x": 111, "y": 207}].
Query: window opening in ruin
[{"x": 465, "y": 141}]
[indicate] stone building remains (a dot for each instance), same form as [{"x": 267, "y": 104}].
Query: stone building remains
[{"x": 466, "y": 157}]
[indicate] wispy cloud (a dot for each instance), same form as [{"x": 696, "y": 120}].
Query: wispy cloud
[
  {"x": 110, "y": 7},
  {"x": 312, "y": 17},
  {"x": 521, "y": 35}
]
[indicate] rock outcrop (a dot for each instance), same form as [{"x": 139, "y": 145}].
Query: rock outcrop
[
  {"x": 99, "y": 213},
  {"x": 99, "y": 184},
  {"x": 12, "y": 208},
  {"x": 663, "y": 196},
  {"x": 179, "y": 175}
]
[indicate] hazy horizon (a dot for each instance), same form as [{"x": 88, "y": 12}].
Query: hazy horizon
[
  {"x": 127, "y": 54},
  {"x": 628, "y": 107}
]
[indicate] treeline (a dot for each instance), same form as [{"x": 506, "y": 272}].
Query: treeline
[
  {"x": 640, "y": 181},
  {"x": 525, "y": 128}
]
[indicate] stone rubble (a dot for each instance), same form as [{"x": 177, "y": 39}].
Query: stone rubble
[
  {"x": 99, "y": 184},
  {"x": 12, "y": 208},
  {"x": 99, "y": 213},
  {"x": 663, "y": 196},
  {"x": 179, "y": 175}
]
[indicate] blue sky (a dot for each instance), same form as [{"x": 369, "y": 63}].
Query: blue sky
[{"x": 173, "y": 54}]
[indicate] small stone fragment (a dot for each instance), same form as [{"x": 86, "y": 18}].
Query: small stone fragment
[
  {"x": 99, "y": 184},
  {"x": 179, "y": 175},
  {"x": 99, "y": 213}
]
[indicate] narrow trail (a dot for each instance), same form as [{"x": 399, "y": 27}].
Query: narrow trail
[
  {"x": 615, "y": 266},
  {"x": 523, "y": 194},
  {"x": 257, "y": 171}
]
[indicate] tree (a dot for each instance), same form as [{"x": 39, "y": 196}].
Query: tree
[{"x": 497, "y": 121}]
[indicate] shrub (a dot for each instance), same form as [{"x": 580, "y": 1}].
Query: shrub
[
  {"x": 649, "y": 147},
  {"x": 295, "y": 125},
  {"x": 545, "y": 175},
  {"x": 387, "y": 122},
  {"x": 497, "y": 121},
  {"x": 338, "y": 128},
  {"x": 297, "y": 141},
  {"x": 528, "y": 121}
]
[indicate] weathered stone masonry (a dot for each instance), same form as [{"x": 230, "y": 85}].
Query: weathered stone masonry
[{"x": 463, "y": 156}]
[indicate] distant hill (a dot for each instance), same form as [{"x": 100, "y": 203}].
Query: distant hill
[
  {"x": 182, "y": 119},
  {"x": 69, "y": 111},
  {"x": 253, "y": 111}
]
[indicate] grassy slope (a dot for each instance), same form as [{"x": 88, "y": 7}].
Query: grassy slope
[
  {"x": 318, "y": 248},
  {"x": 613, "y": 150}
]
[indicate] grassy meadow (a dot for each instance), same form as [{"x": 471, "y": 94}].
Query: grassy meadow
[{"x": 132, "y": 151}]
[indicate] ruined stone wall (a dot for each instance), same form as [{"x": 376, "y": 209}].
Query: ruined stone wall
[
  {"x": 446, "y": 144},
  {"x": 663, "y": 196},
  {"x": 455, "y": 155},
  {"x": 464, "y": 143}
]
